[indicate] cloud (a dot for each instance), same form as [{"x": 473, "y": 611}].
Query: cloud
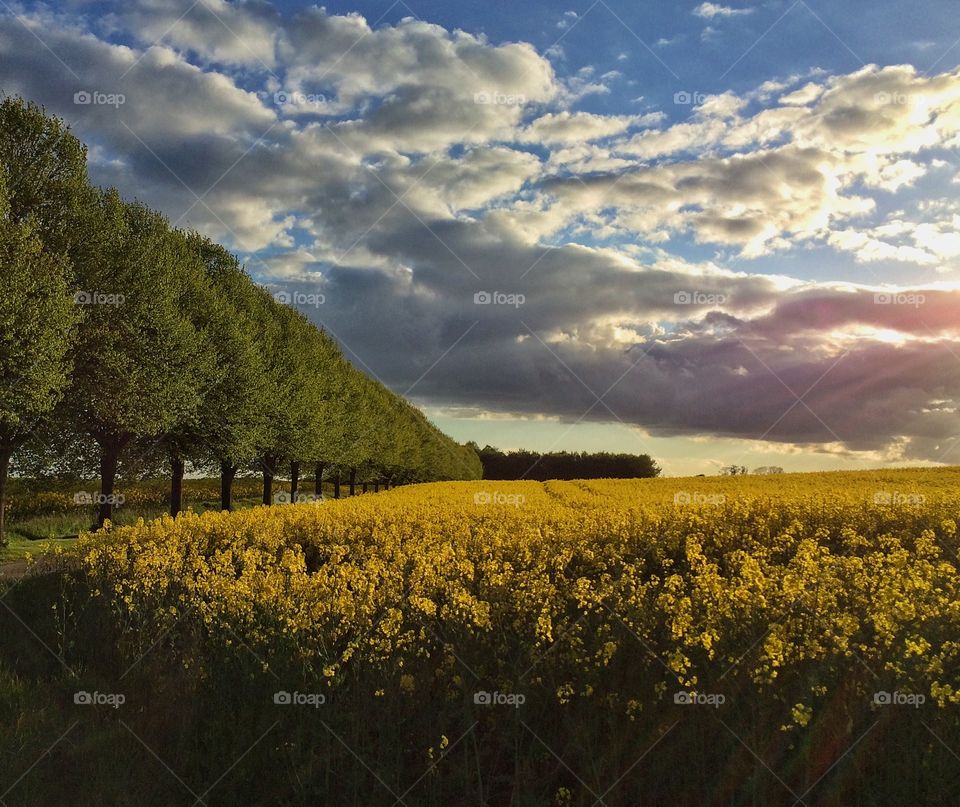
[
  {"x": 579, "y": 127},
  {"x": 709, "y": 11},
  {"x": 568, "y": 19},
  {"x": 404, "y": 168}
]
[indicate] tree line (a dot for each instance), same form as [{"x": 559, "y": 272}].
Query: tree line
[
  {"x": 128, "y": 346},
  {"x": 524, "y": 464}
]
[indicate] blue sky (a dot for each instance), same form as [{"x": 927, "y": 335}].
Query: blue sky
[{"x": 717, "y": 232}]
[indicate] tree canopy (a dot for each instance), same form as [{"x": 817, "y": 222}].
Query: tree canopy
[
  {"x": 136, "y": 345},
  {"x": 565, "y": 465}
]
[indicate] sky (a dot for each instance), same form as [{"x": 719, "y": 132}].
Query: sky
[{"x": 718, "y": 233}]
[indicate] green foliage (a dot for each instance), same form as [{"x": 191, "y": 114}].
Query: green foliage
[
  {"x": 37, "y": 326},
  {"x": 46, "y": 174},
  {"x": 155, "y": 344},
  {"x": 136, "y": 373},
  {"x": 229, "y": 425},
  {"x": 37, "y": 320},
  {"x": 564, "y": 465}
]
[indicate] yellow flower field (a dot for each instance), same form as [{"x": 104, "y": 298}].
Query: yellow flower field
[
  {"x": 620, "y": 591},
  {"x": 778, "y": 640}
]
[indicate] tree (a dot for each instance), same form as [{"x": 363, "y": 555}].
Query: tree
[
  {"x": 562, "y": 465},
  {"x": 206, "y": 310},
  {"x": 46, "y": 176},
  {"x": 135, "y": 375},
  {"x": 290, "y": 392},
  {"x": 231, "y": 426},
  {"x": 308, "y": 427},
  {"x": 37, "y": 327},
  {"x": 176, "y": 354}
]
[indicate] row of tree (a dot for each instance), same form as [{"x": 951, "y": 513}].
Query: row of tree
[
  {"x": 127, "y": 344},
  {"x": 742, "y": 470},
  {"x": 564, "y": 465}
]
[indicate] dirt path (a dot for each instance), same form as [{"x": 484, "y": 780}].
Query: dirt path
[{"x": 12, "y": 570}]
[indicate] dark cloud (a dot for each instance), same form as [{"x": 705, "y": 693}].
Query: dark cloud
[{"x": 418, "y": 168}]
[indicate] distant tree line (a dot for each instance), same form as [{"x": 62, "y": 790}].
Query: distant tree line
[
  {"x": 564, "y": 465},
  {"x": 742, "y": 470},
  {"x": 129, "y": 346}
]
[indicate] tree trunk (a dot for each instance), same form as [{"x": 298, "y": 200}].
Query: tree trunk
[
  {"x": 353, "y": 481},
  {"x": 109, "y": 457},
  {"x": 336, "y": 486},
  {"x": 227, "y": 473},
  {"x": 294, "y": 481},
  {"x": 318, "y": 480},
  {"x": 176, "y": 486},
  {"x": 5, "y": 455},
  {"x": 376, "y": 485},
  {"x": 363, "y": 489},
  {"x": 268, "y": 479}
]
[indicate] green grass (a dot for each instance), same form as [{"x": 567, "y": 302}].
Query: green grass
[
  {"x": 66, "y": 525},
  {"x": 18, "y": 548},
  {"x": 36, "y": 526}
]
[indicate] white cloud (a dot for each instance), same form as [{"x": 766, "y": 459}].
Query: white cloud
[
  {"x": 709, "y": 11},
  {"x": 439, "y": 164},
  {"x": 558, "y": 128}
]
